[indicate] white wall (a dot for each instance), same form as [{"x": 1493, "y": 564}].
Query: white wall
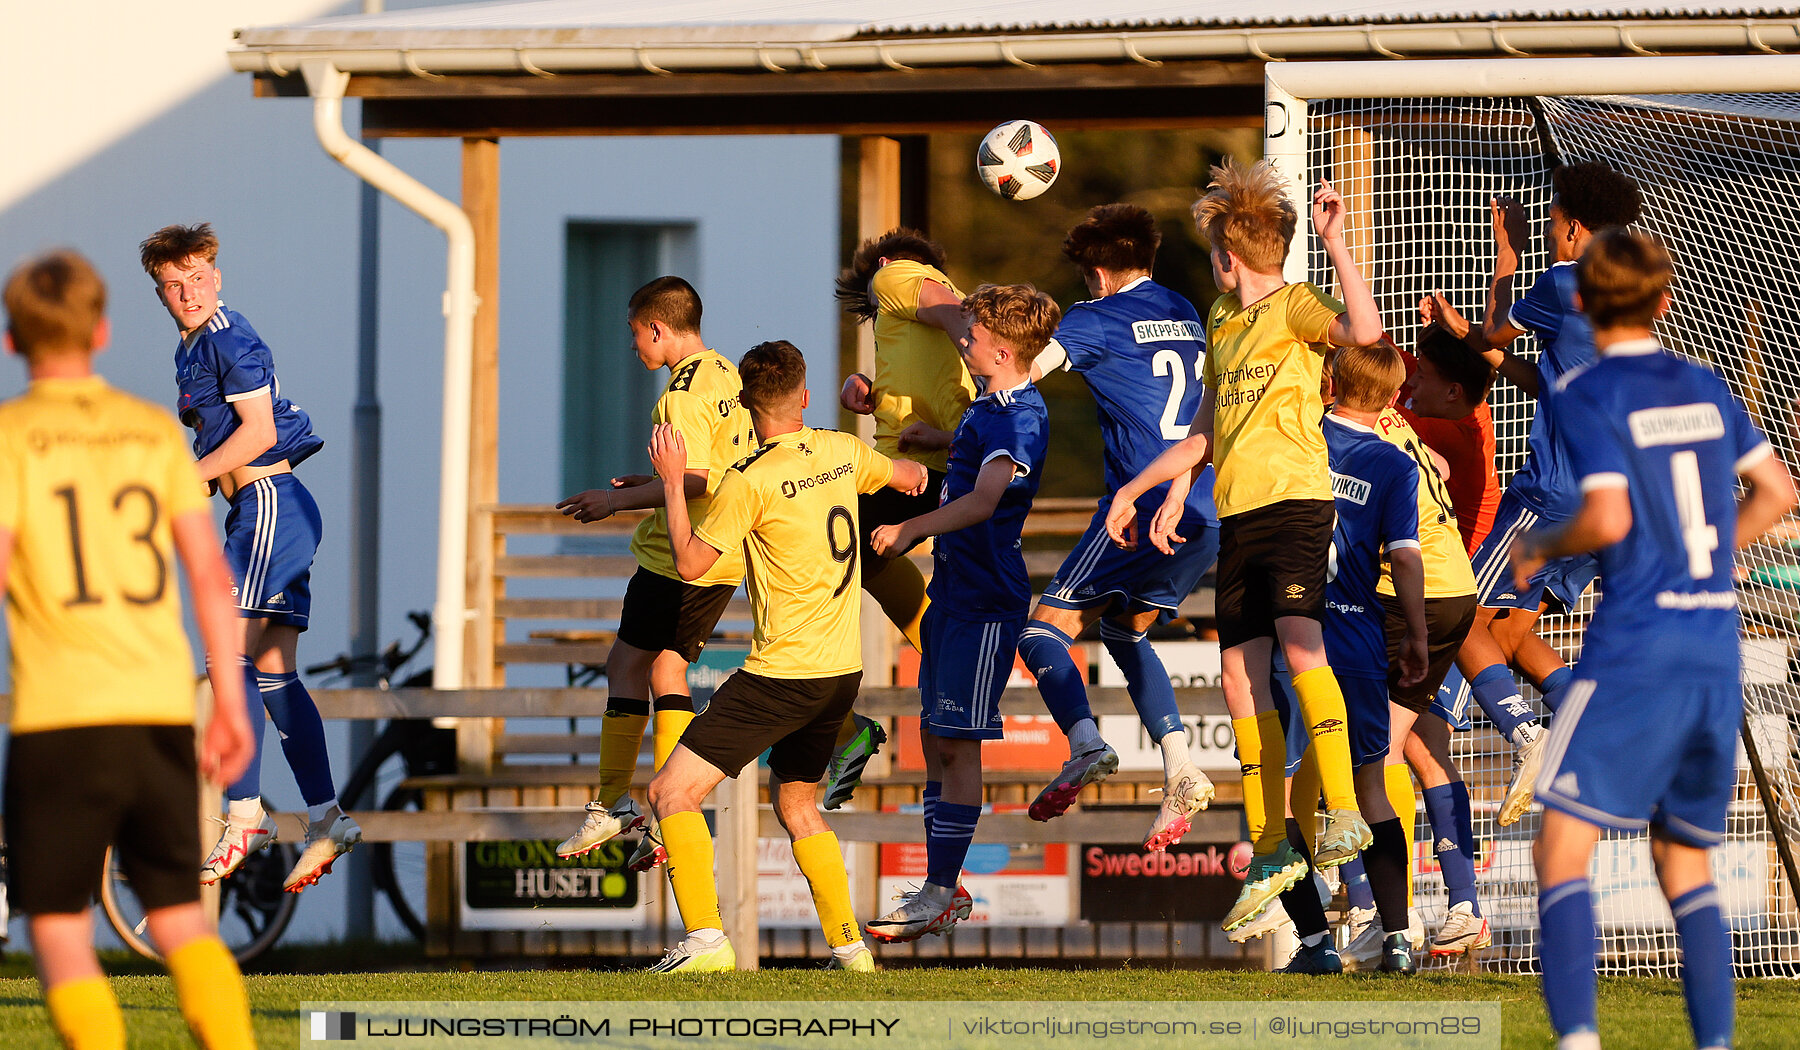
[{"x": 124, "y": 117}]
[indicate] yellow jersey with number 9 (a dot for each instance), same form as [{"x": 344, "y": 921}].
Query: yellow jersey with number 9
[
  {"x": 90, "y": 478},
  {"x": 791, "y": 506}
]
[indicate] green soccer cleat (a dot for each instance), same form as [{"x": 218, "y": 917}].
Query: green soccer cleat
[
  {"x": 845, "y": 771},
  {"x": 1269, "y": 876},
  {"x": 692, "y": 956}
]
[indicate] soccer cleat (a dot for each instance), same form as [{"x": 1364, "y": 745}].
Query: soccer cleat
[
  {"x": 846, "y": 767},
  {"x": 1397, "y": 954},
  {"x": 602, "y": 825},
  {"x": 927, "y": 910},
  {"x": 1364, "y": 937},
  {"x": 1463, "y": 931},
  {"x": 691, "y": 956},
  {"x": 1268, "y": 877},
  {"x": 1346, "y": 836},
  {"x": 1318, "y": 958},
  {"x": 1188, "y": 796},
  {"x": 861, "y": 961},
  {"x": 649, "y": 852},
  {"x": 1526, "y": 761},
  {"x": 1089, "y": 767},
  {"x": 1272, "y": 918},
  {"x": 325, "y": 843},
  {"x": 240, "y": 839}
]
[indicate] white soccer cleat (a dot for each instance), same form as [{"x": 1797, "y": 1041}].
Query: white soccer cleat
[
  {"x": 1089, "y": 767},
  {"x": 326, "y": 841},
  {"x": 602, "y": 825},
  {"x": 695, "y": 956},
  {"x": 1362, "y": 948},
  {"x": 1273, "y": 918},
  {"x": 650, "y": 851},
  {"x": 240, "y": 839},
  {"x": 1188, "y": 795},
  {"x": 1527, "y": 760},
  {"x": 927, "y": 910},
  {"x": 1463, "y": 931}
]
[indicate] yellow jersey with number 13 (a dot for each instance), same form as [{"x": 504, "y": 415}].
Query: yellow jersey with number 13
[
  {"x": 791, "y": 506},
  {"x": 90, "y": 478}
]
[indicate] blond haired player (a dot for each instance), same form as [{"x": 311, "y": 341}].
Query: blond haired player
[{"x": 98, "y": 495}]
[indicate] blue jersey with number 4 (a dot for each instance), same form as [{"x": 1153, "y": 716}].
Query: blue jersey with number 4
[
  {"x": 1140, "y": 351},
  {"x": 978, "y": 573},
  {"x": 1376, "y": 489},
  {"x": 222, "y": 362},
  {"x": 1565, "y": 342},
  {"x": 1670, "y": 433}
]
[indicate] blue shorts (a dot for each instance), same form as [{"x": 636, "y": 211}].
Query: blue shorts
[
  {"x": 1621, "y": 763},
  {"x": 271, "y": 534},
  {"x": 1099, "y": 573},
  {"x": 1366, "y": 702},
  {"x": 1564, "y": 579},
  {"x": 963, "y": 671}
]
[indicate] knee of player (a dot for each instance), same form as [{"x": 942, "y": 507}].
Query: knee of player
[{"x": 667, "y": 796}]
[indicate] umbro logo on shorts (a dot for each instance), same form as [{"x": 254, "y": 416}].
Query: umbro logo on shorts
[{"x": 1294, "y": 590}]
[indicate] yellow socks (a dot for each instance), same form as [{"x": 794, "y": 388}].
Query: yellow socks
[
  {"x": 1303, "y": 797},
  {"x": 621, "y": 737},
  {"x": 899, "y": 588},
  {"x": 670, "y": 724},
  {"x": 210, "y": 991},
  {"x": 86, "y": 1015},
  {"x": 821, "y": 860},
  {"x": 1249, "y": 749},
  {"x": 1400, "y": 796},
  {"x": 690, "y": 867},
  {"x": 1322, "y": 708},
  {"x": 1274, "y": 782}
]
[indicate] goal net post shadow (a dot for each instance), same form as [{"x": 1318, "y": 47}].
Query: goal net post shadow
[{"x": 1419, "y": 148}]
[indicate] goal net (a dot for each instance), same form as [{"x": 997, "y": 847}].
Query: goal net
[{"x": 1721, "y": 182}]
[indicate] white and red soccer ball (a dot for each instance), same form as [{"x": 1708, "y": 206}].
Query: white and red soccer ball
[{"x": 1018, "y": 160}]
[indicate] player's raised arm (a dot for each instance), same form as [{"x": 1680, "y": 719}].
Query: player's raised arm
[
  {"x": 227, "y": 748},
  {"x": 1360, "y": 323},
  {"x": 941, "y": 308},
  {"x": 692, "y": 555}
]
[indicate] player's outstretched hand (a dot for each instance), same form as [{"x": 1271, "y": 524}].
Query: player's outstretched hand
[
  {"x": 858, "y": 396},
  {"x": 1526, "y": 561},
  {"x": 1435, "y": 309},
  {"x": 889, "y": 541},
  {"x": 1121, "y": 524},
  {"x": 1414, "y": 657},
  {"x": 668, "y": 453},
  {"x": 923, "y": 437},
  {"x": 226, "y": 750},
  {"x": 589, "y": 506},
  {"x": 1509, "y": 225},
  {"x": 1328, "y": 212},
  {"x": 1162, "y": 527}
]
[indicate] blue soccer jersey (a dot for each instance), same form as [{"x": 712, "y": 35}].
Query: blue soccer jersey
[
  {"x": 225, "y": 361},
  {"x": 978, "y": 573},
  {"x": 1376, "y": 488},
  {"x": 1670, "y": 433},
  {"x": 1565, "y": 342},
  {"x": 1140, "y": 350}
]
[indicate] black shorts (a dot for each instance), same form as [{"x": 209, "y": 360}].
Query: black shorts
[
  {"x": 72, "y": 792},
  {"x": 750, "y": 713},
  {"x": 1272, "y": 564},
  {"x": 1447, "y": 623},
  {"x": 891, "y": 507},
  {"x": 660, "y": 613}
]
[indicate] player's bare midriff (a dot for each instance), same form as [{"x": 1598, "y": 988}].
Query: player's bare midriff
[{"x": 229, "y": 484}]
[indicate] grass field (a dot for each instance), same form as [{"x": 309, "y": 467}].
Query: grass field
[{"x": 1635, "y": 1013}]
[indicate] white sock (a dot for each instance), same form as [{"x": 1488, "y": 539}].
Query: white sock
[
  {"x": 244, "y": 809},
  {"x": 1084, "y": 736},
  {"x": 936, "y": 894},
  {"x": 314, "y": 814},
  {"x": 849, "y": 951},
  {"x": 706, "y": 938},
  {"x": 1524, "y": 733},
  {"x": 1174, "y": 754},
  {"x": 1314, "y": 940},
  {"x": 1579, "y": 1041}
]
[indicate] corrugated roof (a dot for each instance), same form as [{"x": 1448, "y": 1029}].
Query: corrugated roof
[{"x": 573, "y": 21}]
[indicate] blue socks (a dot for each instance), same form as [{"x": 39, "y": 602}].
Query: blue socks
[
  {"x": 1452, "y": 829},
  {"x": 934, "y": 790},
  {"x": 947, "y": 838},
  {"x": 302, "y": 732},
  {"x": 250, "y": 784},
  {"x": 1705, "y": 965},
  {"x": 1567, "y": 945},
  {"x": 1553, "y": 685},
  {"x": 1045, "y": 651},
  {"x": 1145, "y": 678},
  {"x": 1500, "y": 700},
  {"x": 1356, "y": 883}
]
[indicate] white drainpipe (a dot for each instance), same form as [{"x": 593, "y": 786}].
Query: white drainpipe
[{"x": 326, "y": 83}]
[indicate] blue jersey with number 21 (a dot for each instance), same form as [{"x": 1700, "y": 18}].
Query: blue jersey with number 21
[{"x": 1670, "y": 433}]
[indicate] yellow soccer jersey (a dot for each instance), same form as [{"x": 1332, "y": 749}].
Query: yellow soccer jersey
[
  {"x": 1447, "y": 571},
  {"x": 90, "y": 478},
  {"x": 1264, "y": 362},
  {"x": 919, "y": 375},
  {"x": 791, "y": 505},
  {"x": 704, "y": 402}
]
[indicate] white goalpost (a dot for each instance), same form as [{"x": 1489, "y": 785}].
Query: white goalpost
[{"x": 1418, "y": 148}]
